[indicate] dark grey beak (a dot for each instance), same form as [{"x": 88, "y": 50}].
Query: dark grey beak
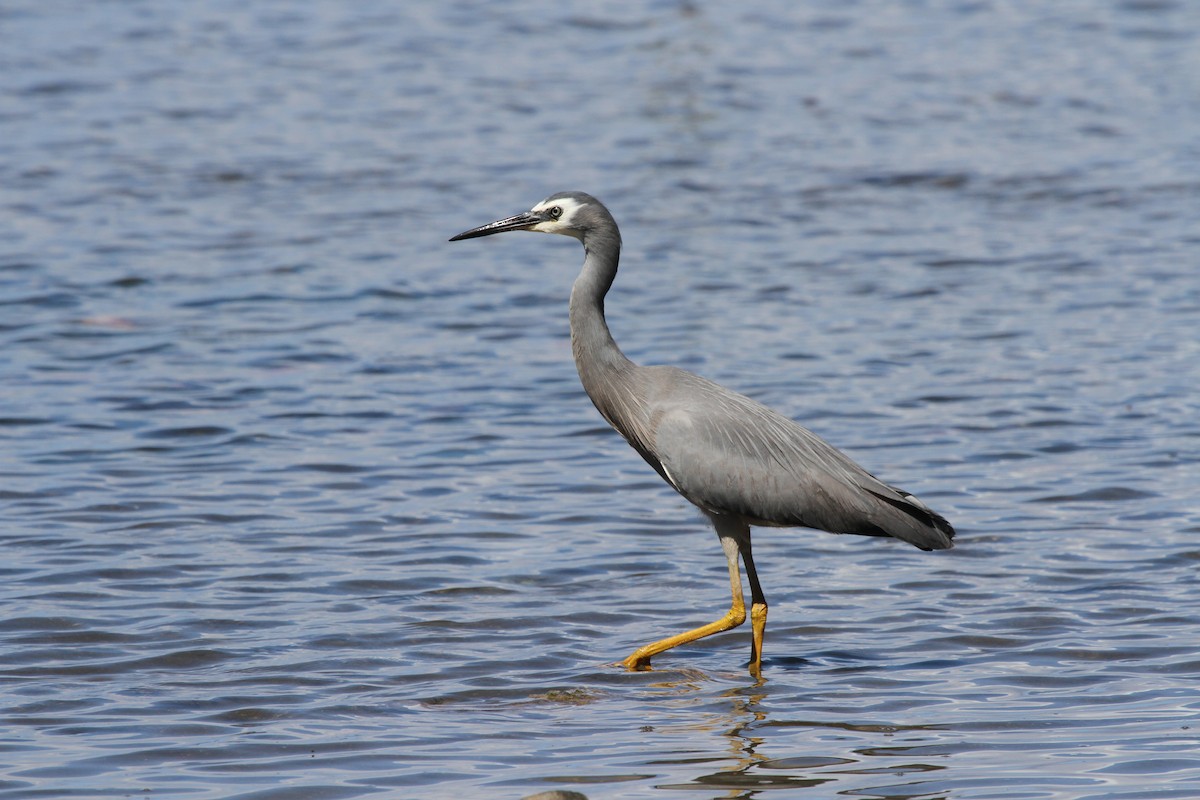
[{"x": 520, "y": 222}]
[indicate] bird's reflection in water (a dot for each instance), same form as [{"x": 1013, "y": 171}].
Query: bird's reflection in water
[{"x": 750, "y": 731}]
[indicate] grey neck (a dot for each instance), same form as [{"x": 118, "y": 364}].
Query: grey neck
[{"x": 599, "y": 361}]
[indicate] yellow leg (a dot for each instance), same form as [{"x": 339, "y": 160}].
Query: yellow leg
[
  {"x": 640, "y": 659},
  {"x": 758, "y": 622},
  {"x": 758, "y": 611}
]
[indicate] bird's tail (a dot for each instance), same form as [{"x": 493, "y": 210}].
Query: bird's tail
[{"x": 916, "y": 523}]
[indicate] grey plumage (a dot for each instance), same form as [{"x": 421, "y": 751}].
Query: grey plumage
[{"x": 740, "y": 462}]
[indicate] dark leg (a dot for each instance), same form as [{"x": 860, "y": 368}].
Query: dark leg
[{"x": 758, "y": 609}]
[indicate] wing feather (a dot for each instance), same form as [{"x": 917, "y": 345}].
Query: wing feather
[{"x": 730, "y": 454}]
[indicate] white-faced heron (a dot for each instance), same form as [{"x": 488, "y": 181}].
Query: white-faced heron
[{"x": 738, "y": 461}]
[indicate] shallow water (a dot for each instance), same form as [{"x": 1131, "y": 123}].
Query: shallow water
[{"x": 302, "y": 501}]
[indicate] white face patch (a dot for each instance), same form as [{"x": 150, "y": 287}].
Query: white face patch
[{"x": 561, "y": 225}]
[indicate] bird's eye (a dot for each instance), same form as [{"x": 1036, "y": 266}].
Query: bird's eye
[{"x": 555, "y": 212}]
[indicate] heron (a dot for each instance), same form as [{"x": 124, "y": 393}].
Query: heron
[{"x": 741, "y": 463}]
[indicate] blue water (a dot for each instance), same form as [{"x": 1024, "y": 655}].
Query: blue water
[{"x": 302, "y": 501}]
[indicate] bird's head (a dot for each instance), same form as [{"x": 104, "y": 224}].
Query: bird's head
[{"x": 570, "y": 213}]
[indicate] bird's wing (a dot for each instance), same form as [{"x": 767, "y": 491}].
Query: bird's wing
[{"x": 730, "y": 454}]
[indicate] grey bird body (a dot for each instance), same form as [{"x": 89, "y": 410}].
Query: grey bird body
[
  {"x": 728, "y": 454},
  {"x": 737, "y": 460}
]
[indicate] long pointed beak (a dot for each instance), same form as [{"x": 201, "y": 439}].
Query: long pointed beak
[{"x": 520, "y": 222}]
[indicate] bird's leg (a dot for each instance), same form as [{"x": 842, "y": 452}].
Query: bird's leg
[
  {"x": 758, "y": 611},
  {"x": 736, "y": 615}
]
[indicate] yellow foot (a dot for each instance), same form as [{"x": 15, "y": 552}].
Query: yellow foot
[
  {"x": 637, "y": 663},
  {"x": 640, "y": 660}
]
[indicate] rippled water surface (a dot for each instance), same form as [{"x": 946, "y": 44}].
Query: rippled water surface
[{"x": 302, "y": 501}]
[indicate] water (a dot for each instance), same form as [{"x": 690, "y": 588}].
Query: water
[{"x": 301, "y": 501}]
